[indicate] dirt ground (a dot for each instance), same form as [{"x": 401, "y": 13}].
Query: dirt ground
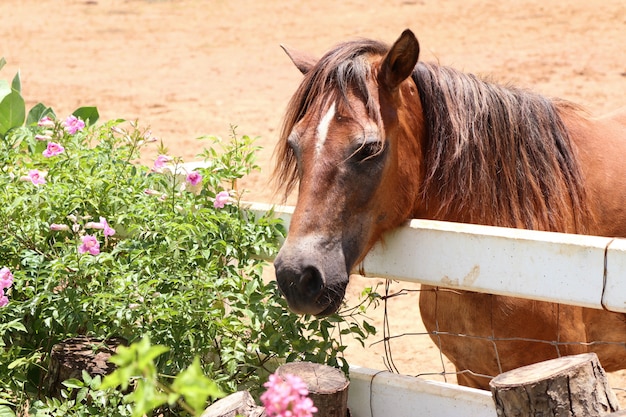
[{"x": 187, "y": 68}]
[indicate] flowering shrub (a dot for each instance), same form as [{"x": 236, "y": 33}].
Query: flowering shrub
[
  {"x": 288, "y": 397},
  {"x": 96, "y": 244}
]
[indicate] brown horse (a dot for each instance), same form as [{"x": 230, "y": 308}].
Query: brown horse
[{"x": 373, "y": 138}]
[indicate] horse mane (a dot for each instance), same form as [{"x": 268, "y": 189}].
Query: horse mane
[
  {"x": 495, "y": 155},
  {"x": 498, "y": 155},
  {"x": 343, "y": 69}
]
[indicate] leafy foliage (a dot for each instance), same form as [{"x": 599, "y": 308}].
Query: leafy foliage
[{"x": 177, "y": 270}]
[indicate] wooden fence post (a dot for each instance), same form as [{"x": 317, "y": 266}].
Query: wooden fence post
[
  {"x": 72, "y": 356},
  {"x": 571, "y": 386},
  {"x": 328, "y": 386}
]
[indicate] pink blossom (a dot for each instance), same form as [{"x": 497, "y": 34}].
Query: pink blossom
[
  {"x": 59, "y": 227},
  {"x": 101, "y": 225},
  {"x": 4, "y": 300},
  {"x": 148, "y": 137},
  {"x": 43, "y": 137},
  {"x": 118, "y": 130},
  {"x": 6, "y": 278},
  {"x": 35, "y": 176},
  {"x": 53, "y": 149},
  {"x": 160, "y": 163},
  {"x": 288, "y": 397},
  {"x": 73, "y": 124},
  {"x": 108, "y": 230},
  {"x": 89, "y": 244},
  {"x": 221, "y": 199},
  {"x": 194, "y": 178},
  {"x": 94, "y": 225},
  {"x": 150, "y": 191},
  {"x": 45, "y": 121}
]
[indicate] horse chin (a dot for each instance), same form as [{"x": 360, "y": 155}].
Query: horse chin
[
  {"x": 334, "y": 304},
  {"x": 328, "y": 302}
]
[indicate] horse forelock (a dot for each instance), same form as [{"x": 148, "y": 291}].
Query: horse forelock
[
  {"x": 497, "y": 155},
  {"x": 343, "y": 72}
]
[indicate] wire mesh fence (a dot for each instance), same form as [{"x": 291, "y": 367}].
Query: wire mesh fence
[{"x": 408, "y": 348}]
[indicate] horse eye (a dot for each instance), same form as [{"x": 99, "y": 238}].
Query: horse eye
[{"x": 368, "y": 151}]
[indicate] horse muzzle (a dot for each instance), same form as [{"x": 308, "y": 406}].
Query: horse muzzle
[{"x": 312, "y": 275}]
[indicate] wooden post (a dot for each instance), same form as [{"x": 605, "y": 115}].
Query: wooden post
[
  {"x": 72, "y": 356},
  {"x": 571, "y": 386},
  {"x": 240, "y": 403},
  {"x": 328, "y": 386}
]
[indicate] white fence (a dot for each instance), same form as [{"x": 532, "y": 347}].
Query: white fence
[{"x": 580, "y": 270}]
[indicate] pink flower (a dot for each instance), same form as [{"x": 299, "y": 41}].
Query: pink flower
[
  {"x": 221, "y": 199},
  {"x": 6, "y": 278},
  {"x": 108, "y": 230},
  {"x": 53, "y": 149},
  {"x": 150, "y": 191},
  {"x": 94, "y": 225},
  {"x": 147, "y": 136},
  {"x": 73, "y": 124},
  {"x": 194, "y": 178},
  {"x": 101, "y": 225},
  {"x": 45, "y": 121},
  {"x": 90, "y": 244},
  {"x": 160, "y": 163},
  {"x": 4, "y": 300},
  {"x": 43, "y": 137},
  {"x": 35, "y": 176},
  {"x": 59, "y": 227},
  {"x": 287, "y": 397}
]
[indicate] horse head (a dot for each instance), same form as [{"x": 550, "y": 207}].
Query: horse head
[{"x": 346, "y": 142}]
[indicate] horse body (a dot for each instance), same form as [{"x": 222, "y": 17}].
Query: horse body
[
  {"x": 601, "y": 147},
  {"x": 372, "y": 138}
]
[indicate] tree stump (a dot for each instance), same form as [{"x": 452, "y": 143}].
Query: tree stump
[
  {"x": 238, "y": 404},
  {"x": 571, "y": 386},
  {"x": 328, "y": 386},
  {"x": 72, "y": 356}
]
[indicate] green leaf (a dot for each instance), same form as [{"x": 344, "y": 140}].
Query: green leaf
[
  {"x": 82, "y": 395},
  {"x": 16, "y": 85},
  {"x": 369, "y": 328},
  {"x": 37, "y": 112},
  {"x": 12, "y": 112},
  {"x": 6, "y": 411},
  {"x": 18, "y": 362},
  {"x": 5, "y": 88},
  {"x": 73, "y": 383},
  {"x": 89, "y": 115},
  {"x": 146, "y": 397},
  {"x": 3, "y": 62},
  {"x": 196, "y": 387}
]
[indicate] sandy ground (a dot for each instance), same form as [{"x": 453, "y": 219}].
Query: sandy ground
[{"x": 188, "y": 68}]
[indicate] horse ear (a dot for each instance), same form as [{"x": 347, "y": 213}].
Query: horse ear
[
  {"x": 303, "y": 61},
  {"x": 400, "y": 61}
]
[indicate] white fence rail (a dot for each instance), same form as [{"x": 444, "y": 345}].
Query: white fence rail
[{"x": 587, "y": 271}]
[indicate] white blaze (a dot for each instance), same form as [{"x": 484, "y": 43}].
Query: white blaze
[{"x": 322, "y": 128}]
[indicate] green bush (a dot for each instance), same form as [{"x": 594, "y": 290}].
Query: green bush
[{"x": 100, "y": 245}]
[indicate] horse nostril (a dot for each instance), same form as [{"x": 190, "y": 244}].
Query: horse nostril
[{"x": 311, "y": 282}]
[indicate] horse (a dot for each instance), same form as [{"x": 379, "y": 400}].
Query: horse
[{"x": 373, "y": 137}]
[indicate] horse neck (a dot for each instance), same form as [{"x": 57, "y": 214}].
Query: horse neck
[
  {"x": 411, "y": 139},
  {"x": 515, "y": 170}
]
